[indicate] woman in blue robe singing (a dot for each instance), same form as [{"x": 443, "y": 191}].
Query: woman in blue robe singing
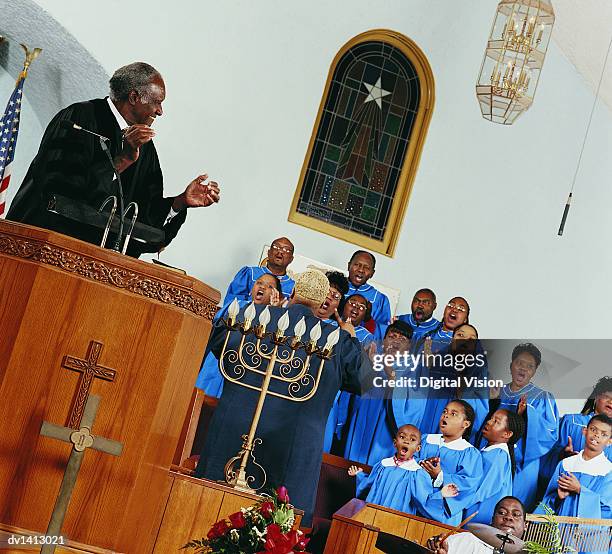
[{"x": 539, "y": 410}]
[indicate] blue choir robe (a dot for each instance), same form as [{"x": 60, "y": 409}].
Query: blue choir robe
[
  {"x": 541, "y": 435},
  {"x": 496, "y": 482},
  {"x": 381, "y": 309},
  {"x": 243, "y": 282},
  {"x": 595, "y": 497},
  {"x": 419, "y": 329},
  {"x": 571, "y": 425},
  {"x": 340, "y": 410},
  {"x": 461, "y": 465},
  {"x": 372, "y": 426},
  {"x": 292, "y": 432},
  {"x": 402, "y": 486}
]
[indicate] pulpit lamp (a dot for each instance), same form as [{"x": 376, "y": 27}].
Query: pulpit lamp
[
  {"x": 249, "y": 316},
  {"x": 513, "y": 58}
]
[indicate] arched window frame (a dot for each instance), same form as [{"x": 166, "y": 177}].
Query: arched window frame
[{"x": 409, "y": 168}]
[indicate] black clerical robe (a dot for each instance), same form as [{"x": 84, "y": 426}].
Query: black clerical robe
[
  {"x": 72, "y": 163},
  {"x": 292, "y": 432}
]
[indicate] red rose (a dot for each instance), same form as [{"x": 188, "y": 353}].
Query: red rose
[
  {"x": 218, "y": 529},
  {"x": 282, "y": 494},
  {"x": 279, "y": 543},
  {"x": 302, "y": 544},
  {"x": 238, "y": 520},
  {"x": 266, "y": 509}
]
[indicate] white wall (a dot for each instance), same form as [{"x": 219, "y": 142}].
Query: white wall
[{"x": 244, "y": 83}]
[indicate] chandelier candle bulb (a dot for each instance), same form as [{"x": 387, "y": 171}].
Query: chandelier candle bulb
[
  {"x": 233, "y": 310},
  {"x": 264, "y": 318},
  {"x": 315, "y": 333},
  {"x": 282, "y": 325},
  {"x": 299, "y": 329},
  {"x": 332, "y": 339},
  {"x": 249, "y": 315}
]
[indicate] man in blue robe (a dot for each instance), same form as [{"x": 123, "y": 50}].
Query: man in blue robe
[
  {"x": 421, "y": 319},
  {"x": 291, "y": 431},
  {"x": 280, "y": 255},
  {"x": 361, "y": 268}
]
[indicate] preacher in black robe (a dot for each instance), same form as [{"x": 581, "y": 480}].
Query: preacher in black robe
[
  {"x": 72, "y": 163},
  {"x": 292, "y": 432}
]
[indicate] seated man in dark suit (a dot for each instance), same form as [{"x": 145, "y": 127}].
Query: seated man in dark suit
[{"x": 72, "y": 163}]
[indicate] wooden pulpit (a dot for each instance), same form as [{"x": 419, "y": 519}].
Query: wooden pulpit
[{"x": 77, "y": 320}]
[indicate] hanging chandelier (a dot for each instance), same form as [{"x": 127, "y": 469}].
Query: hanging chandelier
[{"x": 514, "y": 57}]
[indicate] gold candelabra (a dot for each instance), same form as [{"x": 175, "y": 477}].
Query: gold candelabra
[
  {"x": 273, "y": 356},
  {"x": 513, "y": 59}
]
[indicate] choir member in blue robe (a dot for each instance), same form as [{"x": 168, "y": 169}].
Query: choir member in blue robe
[
  {"x": 465, "y": 364},
  {"x": 502, "y": 431},
  {"x": 398, "y": 482},
  {"x": 539, "y": 409},
  {"x": 456, "y": 313},
  {"x": 361, "y": 268},
  {"x": 265, "y": 291},
  {"x": 581, "y": 485},
  {"x": 371, "y": 426},
  {"x": 572, "y": 426},
  {"x": 421, "y": 319},
  {"x": 280, "y": 255},
  {"x": 450, "y": 459},
  {"x": 291, "y": 432}
]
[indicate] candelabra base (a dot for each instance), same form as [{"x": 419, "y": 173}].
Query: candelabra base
[{"x": 235, "y": 469}]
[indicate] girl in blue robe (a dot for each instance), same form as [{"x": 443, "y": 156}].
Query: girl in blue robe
[
  {"x": 572, "y": 426},
  {"x": 450, "y": 459},
  {"x": 502, "y": 431},
  {"x": 398, "y": 482},
  {"x": 464, "y": 343},
  {"x": 371, "y": 425},
  {"x": 539, "y": 410},
  {"x": 354, "y": 309},
  {"x": 265, "y": 290}
]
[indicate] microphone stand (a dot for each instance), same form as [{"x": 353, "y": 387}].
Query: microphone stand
[{"x": 117, "y": 245}]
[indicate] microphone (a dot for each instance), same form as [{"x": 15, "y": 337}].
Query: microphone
[{"x": 67, "y": 124}]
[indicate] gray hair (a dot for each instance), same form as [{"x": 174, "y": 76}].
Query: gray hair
[{"x": 135, "y": 76}]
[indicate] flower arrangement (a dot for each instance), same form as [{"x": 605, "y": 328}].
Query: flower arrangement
[{"x": 265, "y": 528}]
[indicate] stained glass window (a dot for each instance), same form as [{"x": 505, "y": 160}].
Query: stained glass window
[{"x": 356, "y": 174}]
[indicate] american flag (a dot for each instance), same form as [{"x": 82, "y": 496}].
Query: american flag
[{"x": 9, "y": 127}]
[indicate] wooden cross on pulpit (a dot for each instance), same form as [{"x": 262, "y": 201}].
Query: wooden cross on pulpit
[
  {"x": 81, "y": 440},
  {"x": 90, "y": 370}
]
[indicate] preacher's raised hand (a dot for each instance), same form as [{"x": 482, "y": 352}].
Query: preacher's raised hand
[
  {"x": 133, "y": 138},
  {"x": 198, "y": 194}
]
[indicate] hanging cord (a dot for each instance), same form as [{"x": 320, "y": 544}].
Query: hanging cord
[{"x": 586, "y": 134}]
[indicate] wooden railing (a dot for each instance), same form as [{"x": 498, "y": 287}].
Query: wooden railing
[{"x": 584, "y": 535}]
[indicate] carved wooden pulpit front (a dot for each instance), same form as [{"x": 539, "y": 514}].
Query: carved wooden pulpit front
[{"x": 77, "y": 320}]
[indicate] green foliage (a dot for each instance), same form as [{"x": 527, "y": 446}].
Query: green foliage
[{"x": 553, "y": 545}]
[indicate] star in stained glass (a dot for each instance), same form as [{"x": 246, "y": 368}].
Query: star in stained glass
[{"x": 376, "y": 92}]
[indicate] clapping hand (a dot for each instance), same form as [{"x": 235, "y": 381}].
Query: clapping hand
[
  {"x": 275, "y": 298},
  {"x": 522, "y": 405},
  {"x": 568, "y": 482},
  {"x": 449, "y": 491},
  {"x": 354, "y": 470},
  {"x": 198, "y": 194},
  {"x": 432, "y": 466},
  {"x": 437, "y": 546}
]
